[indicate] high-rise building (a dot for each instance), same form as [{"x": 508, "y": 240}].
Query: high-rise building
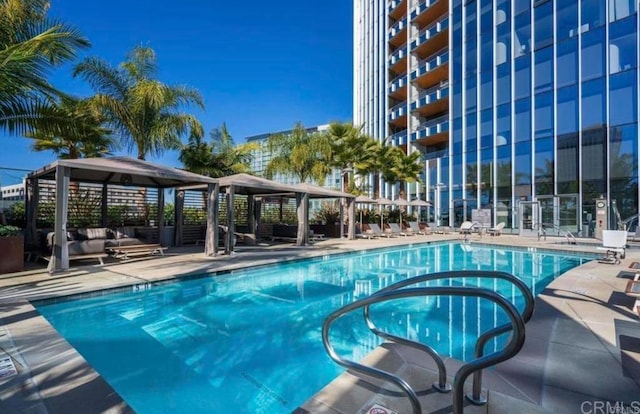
[{"x": 528, "y": 109}]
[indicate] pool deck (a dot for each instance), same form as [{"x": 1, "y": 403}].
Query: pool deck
[{"x": 582, "y": 346}]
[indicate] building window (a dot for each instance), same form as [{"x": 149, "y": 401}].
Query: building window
[
  {"x": 567, "y": 73},
  {"x": 593, "y": 54},
  {"x": 522, "y": 40},
  {"x": 567, "y": 110},
  {"x": 544, "y": 24},
  {"x": 567, "y": 19},
  {"x": 544, "y": 115},
  {"x": 624, "y": 89},
  {"x": 523, "y": 120},
  {"x": 593, "y": 14},
  {"x": 622, "y": 46},
  {"x": 523, "y": 77},
  {"x": 593, "y": 103},
  {"x": 544, "y": 69},
  {"x": 619, "y": 9}
]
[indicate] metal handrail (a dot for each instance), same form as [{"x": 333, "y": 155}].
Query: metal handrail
[
  {"x": 512, "y": 348},
  {"x": 475, "y": 397}
]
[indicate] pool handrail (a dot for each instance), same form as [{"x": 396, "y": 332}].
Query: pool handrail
[
  {"x": 476, "y": 395},
  {"x": 512, "y": 348}
]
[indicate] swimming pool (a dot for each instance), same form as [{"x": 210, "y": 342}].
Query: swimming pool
[{"x": 249, "y": 341}]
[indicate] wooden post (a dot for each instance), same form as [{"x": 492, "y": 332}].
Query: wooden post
[
  {"x": 351, "y": 205},
  {"x": 251, "y": 214},
  {"x": 60, "y": 257},
  {"x": 178, "y": 216},
  {"x": 211, "y": 239},
  {"x": 160, "y": 216},
  {"x": 228, "y": 242},
  {"x": 104, "y": 210}
]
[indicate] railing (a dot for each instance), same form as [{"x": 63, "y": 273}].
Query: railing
[
  {"x": 431, "y": 127},
  {"x": 422, "y": 7},
  {"x": 397, "y": 83},
  {"x": 393, "y": 4},
  {"x": 430, "y": 32},
  {"x": 431, "y": 95},
  {"x": 512, "y": 348},
  {"x": 431, "y": 63},
  {"x": 398, "y": 137},
  {"x": 527, "y": 312},
  {"x": 398, "y": 111},
  {"x": 399, "y": 26},
  {"x": 398, "y": 54}
]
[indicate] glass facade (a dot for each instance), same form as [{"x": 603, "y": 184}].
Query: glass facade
[{"x": 543, "y": 106}]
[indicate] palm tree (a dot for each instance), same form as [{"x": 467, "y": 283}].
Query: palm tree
[
  {"x": 397, "y": 167},
  {"x": 351, "y": 151},
  {"x": 300, "y": 154},
  {"x": 140, "y": 108},
  {"x": 217, "y": 158},
  {"x": 84, "y": 137},
  {"x": 30, "y": 45}
]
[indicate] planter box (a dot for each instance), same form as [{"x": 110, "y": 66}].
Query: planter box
[{"x": 11, "y": 254}]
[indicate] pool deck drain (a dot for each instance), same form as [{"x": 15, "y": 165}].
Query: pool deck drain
[{"x": 583, "y": 344}]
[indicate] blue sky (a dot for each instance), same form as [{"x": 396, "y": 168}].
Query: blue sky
[{"x": 261, "y": 66}]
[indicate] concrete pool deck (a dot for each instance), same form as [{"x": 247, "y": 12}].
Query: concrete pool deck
[{"x": 582, "y": 347}]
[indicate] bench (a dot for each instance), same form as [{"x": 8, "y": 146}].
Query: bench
[
  {"x": 125, "y": 252},
  {"x": 98, "y": 256}
]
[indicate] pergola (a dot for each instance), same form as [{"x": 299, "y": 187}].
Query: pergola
[
  {"x": 257, "y": 187},
  {"x": 116, "y": 171}
]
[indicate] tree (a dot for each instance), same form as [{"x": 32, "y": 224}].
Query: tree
[
  {"x": 140, "y": 108},
  {"x": 217, "y": 158},
  {"x": 351, "y": 151},
  {"x": 30, "y": 45},
  {"x": 85, "y": 137},
  {"x": 397, "y": 167},
  {"x": 301, "y": 154}
]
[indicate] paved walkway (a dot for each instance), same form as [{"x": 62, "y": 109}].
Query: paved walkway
[{"x": 582, "y": 345}]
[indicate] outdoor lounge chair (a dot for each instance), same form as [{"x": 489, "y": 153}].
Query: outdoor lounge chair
[
  {"x": 614, "y": 244},
  {"x": 415, "y": 228},
  {"x": 497, "y": 230},
  {"x": 466, "y": 227},
  {"x": 376, "y": 231},
  {"x": 395, "y": 229}
]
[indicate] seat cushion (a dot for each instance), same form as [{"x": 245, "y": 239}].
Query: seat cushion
[{"x": 80, "y": 247}]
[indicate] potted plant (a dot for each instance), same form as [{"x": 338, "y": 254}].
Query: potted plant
[{"x": 11, "y": 249}]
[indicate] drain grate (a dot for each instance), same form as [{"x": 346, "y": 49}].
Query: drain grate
[
  {"x": 378, "y": 409},
  {"x": 7, "y": 369}
]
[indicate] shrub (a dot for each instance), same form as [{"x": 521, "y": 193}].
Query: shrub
[{"x": 8, "y": 231}]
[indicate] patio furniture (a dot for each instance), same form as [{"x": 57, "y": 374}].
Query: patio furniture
[
  {"x": 395, "y": 229},
  {"x": 466, "y": 227},
  {"x": 614, "y": 244},
  {"x": 415, "y": 228},
  {"x": 497, "y": 230},
  {"x": 375, "y": 229}
]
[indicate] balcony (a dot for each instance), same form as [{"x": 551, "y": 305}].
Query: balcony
[
  {"x": 432, "y": 101},
  {"x": 399, "y": 138},
  {"x": 432, "y": 132},
  {"x": 432, "y": 70},
  {"x": 398, "y": 87},
  {"x": 428, "y": 11},
  {"x": 398, "y": 59},
  {"x": 398, "y": 32},
  {"x": 397, "y": 8},
  {"x": 398, "y": 115},
  {"x": 431, "y": 39}
]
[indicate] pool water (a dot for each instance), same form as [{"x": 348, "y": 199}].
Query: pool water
[{"x": 249, "y": 341}]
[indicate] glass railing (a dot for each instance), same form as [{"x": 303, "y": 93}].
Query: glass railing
[
  {"x": 398, "y": 54},
  {"x": 430, "y": 32},
  {"x": 422, "y": 7},
  {"x": 398, "y": 83},
  {"x": 431, "y": 127},
  {"x": 393, "y": 4},
  {"x": 439, "y": 58},
  {"x": 397, "y": 28},
  {"x": 430, "y": 95},
  {"x": 434, "y": 154},
  {"x": 399, "y": 138},
  {"x": 398, "y": 111}
]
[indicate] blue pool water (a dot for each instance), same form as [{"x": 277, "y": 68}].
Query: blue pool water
[{"x": 250, "y": 341}]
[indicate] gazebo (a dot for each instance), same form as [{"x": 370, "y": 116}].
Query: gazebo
[
  {"x": 122, "y": 171},
  {"x": 257, "y": 187}
]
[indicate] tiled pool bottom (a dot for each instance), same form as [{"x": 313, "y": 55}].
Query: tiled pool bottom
[{"x": 249, "y": 342}]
